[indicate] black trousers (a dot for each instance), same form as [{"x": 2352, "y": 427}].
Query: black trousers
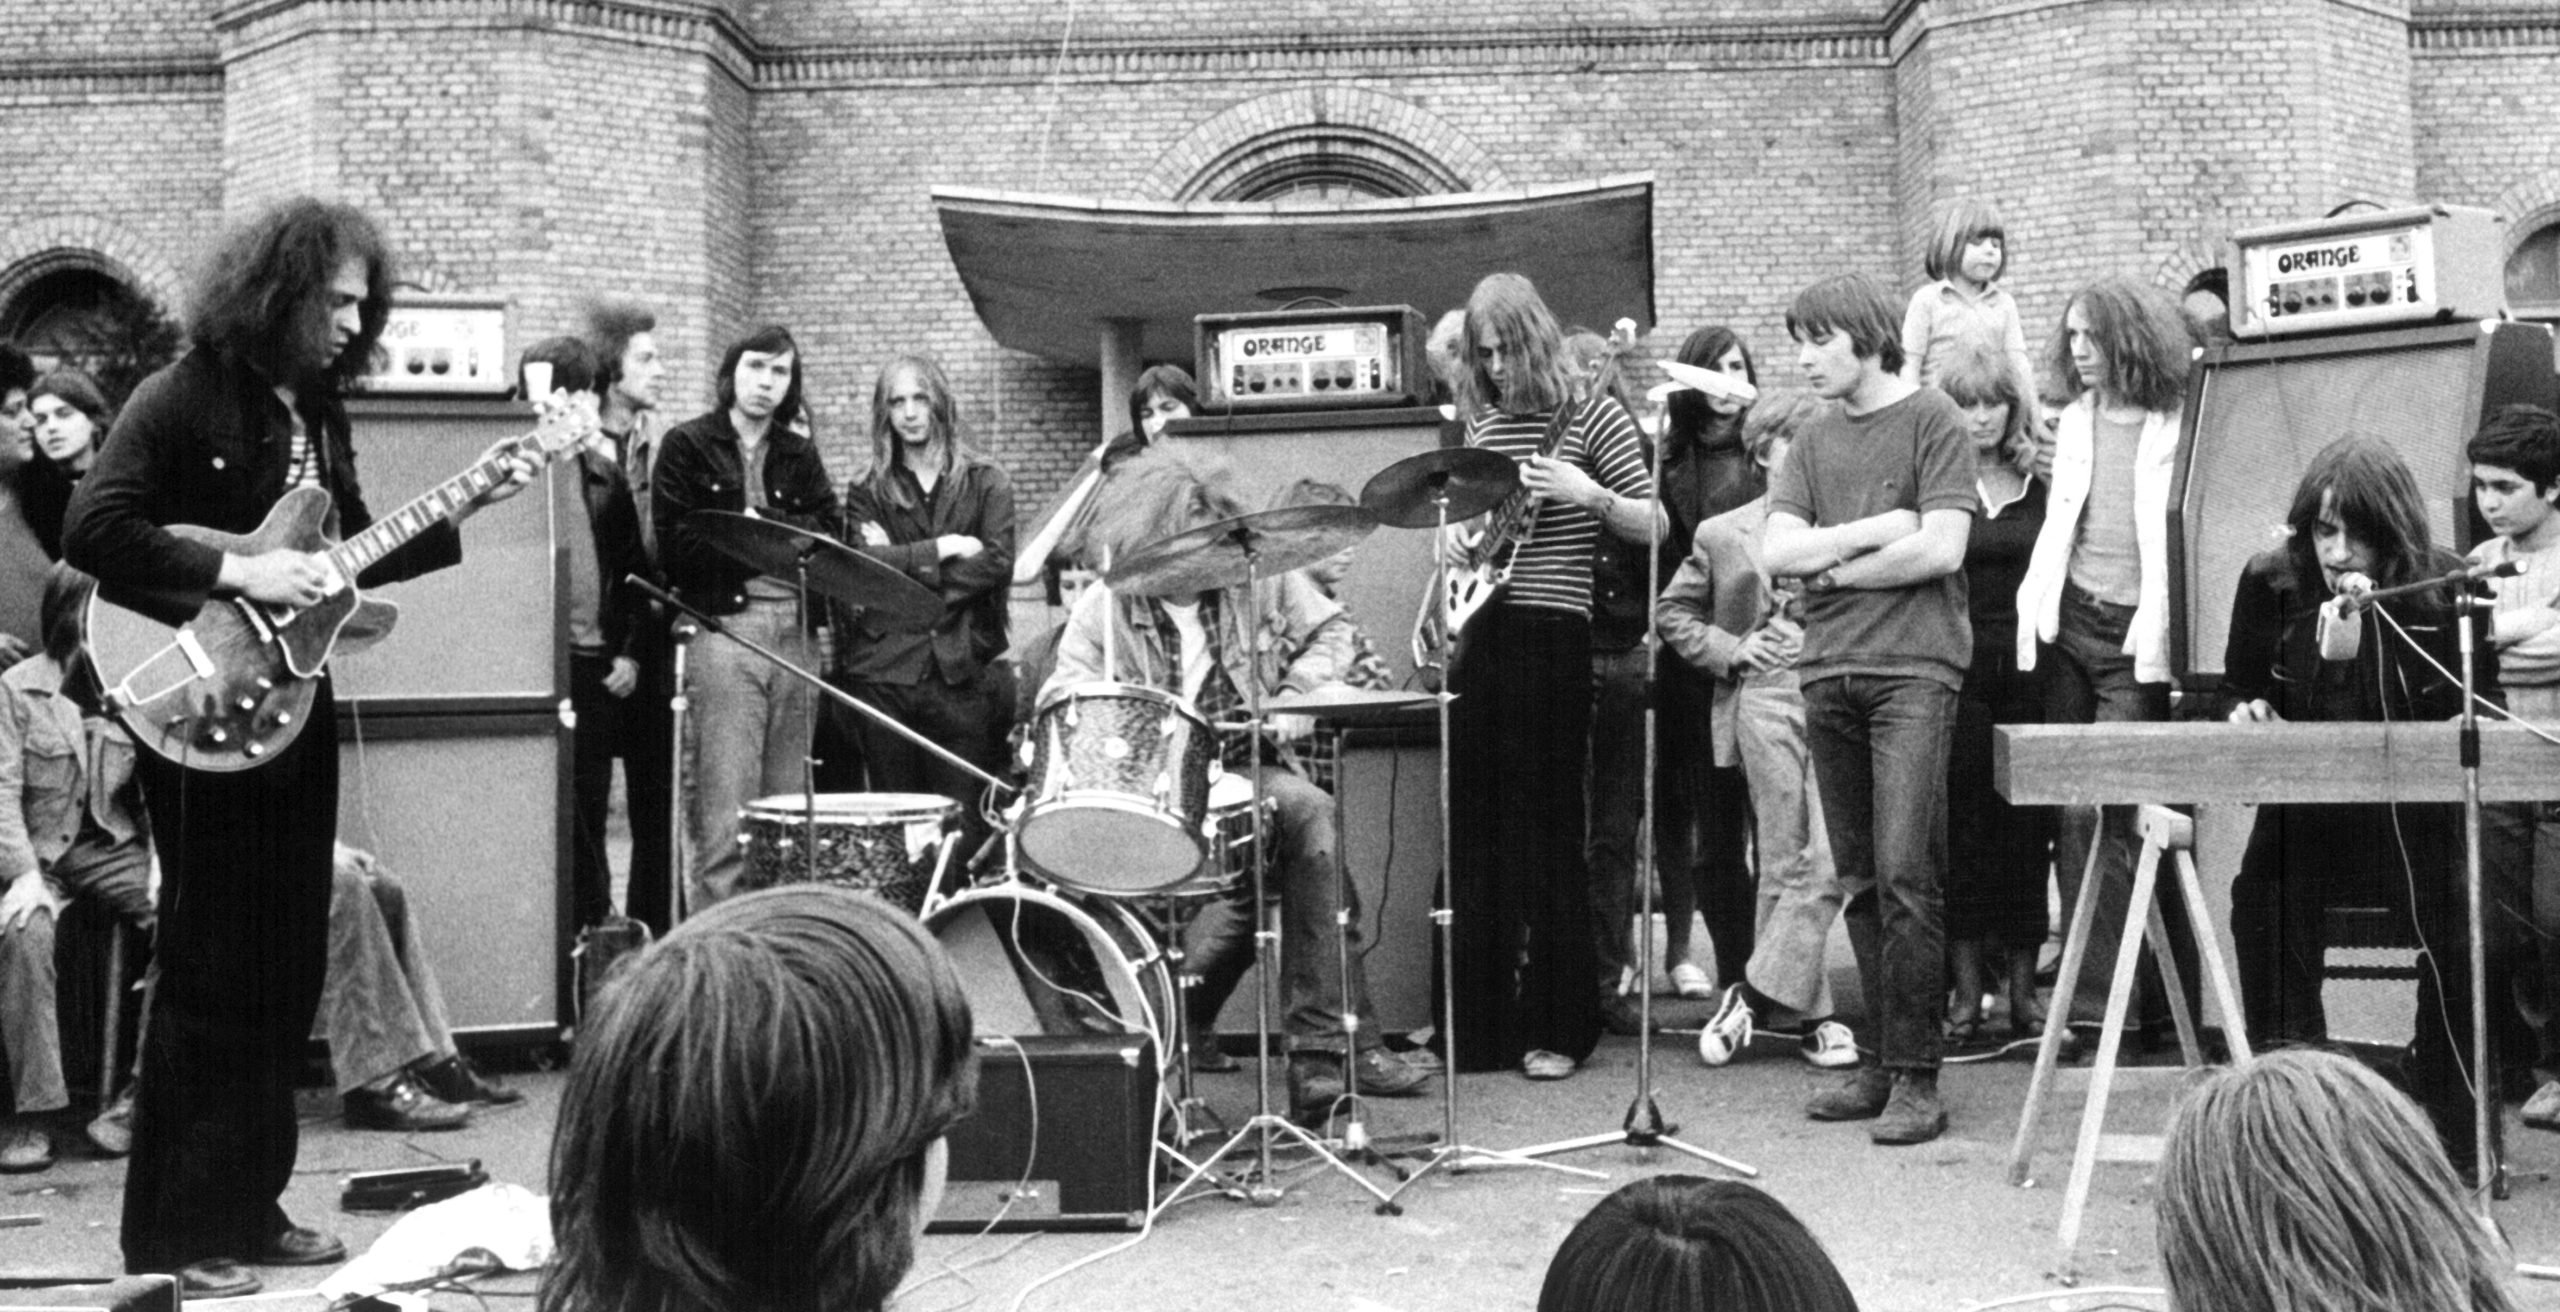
[
  {"x": 1523, "y": 955},
  {"x": 242, "y": 949},
  {"x": 593, "y": 745},
  {"x": 969, "y": 720},
  {"x": 1998, "y": 855}
]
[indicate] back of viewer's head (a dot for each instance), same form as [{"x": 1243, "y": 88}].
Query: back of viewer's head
[
  {"x": 1681, "y": 1243},
  {"x": 2302, "y": 1180},
  {"x": 755, "y": 1108}
]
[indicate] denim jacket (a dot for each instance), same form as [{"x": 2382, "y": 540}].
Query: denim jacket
[{"x": 60, "y": 767}]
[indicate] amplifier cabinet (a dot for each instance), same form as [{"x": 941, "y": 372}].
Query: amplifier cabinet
[{"x": 1063, "y": 1137}]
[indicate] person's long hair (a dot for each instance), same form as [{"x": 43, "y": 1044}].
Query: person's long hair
[
  {"x": 1681, "y": 1243},
  {"x": 2302, "y": 1180},
  {"x": 610, "y": 325},
  {"x": 1155, "y": 494},
  {"x": 1687, "y": 418},
  {"x": 1505, "y": 310},
  {"x": 748, "y": 1118},
  {"x": 1976, "y": 375},
  {"x": 772, "y": 339},
  {"x": 1166, "y": 380},
  {"x": 943, "y": 418},
  {"x": 2142, "y": 333},
  {"x": 262, "y": 294},
  {"x": 2376, "y": 498}
]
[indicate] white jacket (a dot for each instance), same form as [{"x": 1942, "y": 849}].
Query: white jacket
[{"x": 2040, "y": 596}]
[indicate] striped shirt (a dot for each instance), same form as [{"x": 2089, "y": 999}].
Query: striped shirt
[{"x": 1553, "y": 568}]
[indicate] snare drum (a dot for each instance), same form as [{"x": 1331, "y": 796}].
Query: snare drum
[
  {"x": 1228, "y": 869},
  {"x": 1119, "y": 789},
  {"x": 891, "y": 844},
  {"x": 1037, "y": 962}
]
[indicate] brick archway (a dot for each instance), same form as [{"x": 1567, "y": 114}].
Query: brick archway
[
  {"x": 85, "y": 242},
  {"x": 1382, "y": 131}
]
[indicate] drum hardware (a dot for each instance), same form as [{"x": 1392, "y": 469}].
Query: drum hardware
[
  {"x": 1391, "y": 495},
  {"x": 1200, "y": 560},
  {"x": 680, "y": 636},
  {"x": 1643, "y": 1129},
  {"x": 896, "y": 845}
]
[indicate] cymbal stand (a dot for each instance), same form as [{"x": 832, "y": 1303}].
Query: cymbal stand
[
  {"x": 1451, "y": 1155},
  {"x": 680, "y": 635},
  {"x": 1644, "y": 1129},
  {"x": 1187, "y": 1102},
  {"x": 1265, "y": 1125}
]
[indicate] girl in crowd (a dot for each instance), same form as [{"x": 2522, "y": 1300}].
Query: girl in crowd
[
  {"x": 1162, "y": 394},
  {"x": 1703, "y": 807},
  {"x": 2302, "y": 1180},
  {"x": 2298, "y": 652},
  {"x": 1997, "y": 854},
  {"x": 72, "y": 417},
  {"x": 2093, "y": 610},
  {"x": 1682, "y": 1243},
  {"x": 1963, "y": 307},
  {"x": 755, "y": 1115},
  {"x": 1523, "y": 955}
]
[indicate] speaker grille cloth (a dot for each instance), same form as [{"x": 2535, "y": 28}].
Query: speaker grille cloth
[{"x": 2263, "y": 421}]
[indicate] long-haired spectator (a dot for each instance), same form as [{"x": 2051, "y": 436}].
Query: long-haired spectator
[
  {"x": 1682, "y": 1243},
  {"x": 2302, "y": 1180},
  {"x": 755, "y": 1116},
  {"x": 72, "y": 417}
]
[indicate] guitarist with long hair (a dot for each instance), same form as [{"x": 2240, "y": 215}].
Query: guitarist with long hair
[
  {"x": 285, "y": 313},
  {"x": 1519, "y": 726}
]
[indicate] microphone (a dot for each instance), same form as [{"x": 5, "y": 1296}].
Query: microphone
[{"x": 2341, "y": 634}]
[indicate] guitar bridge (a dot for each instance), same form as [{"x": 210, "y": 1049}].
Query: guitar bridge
[{"x": 194, "y": 664}]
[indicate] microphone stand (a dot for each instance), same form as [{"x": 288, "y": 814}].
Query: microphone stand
[{"x": 1644, "y": 1128}]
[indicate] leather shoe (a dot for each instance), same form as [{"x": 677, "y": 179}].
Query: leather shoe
[
  {"x": 456, "y": 1080},
  {"x": 1386, "y": 1075},
  {"x": 1315, "y": 1086},
  {"x": 302, "y": 1246},
  {"x": 403, "y": 1106},
  {"x": 111, "y": 1131},
  {"x": 216, "y": 1277},
  {"x": 25, "y": 1147}
]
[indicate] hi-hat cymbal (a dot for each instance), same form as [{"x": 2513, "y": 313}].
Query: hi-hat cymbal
[
  {"x": 1477, "y": 480},
  {"x": 889, "y": 599},
  {"x": 1215, "y": 555},
  {"x": 1353, "y": 706}
]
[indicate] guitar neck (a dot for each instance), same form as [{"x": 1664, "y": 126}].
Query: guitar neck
[{"x": 357, "y": 554}]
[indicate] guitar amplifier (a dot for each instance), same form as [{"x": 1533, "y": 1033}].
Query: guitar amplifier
[
  {"x": 1063, "y": 1137},
  {"x": 2370, "y": 269},
  {"x": 1326, "y": 359}
]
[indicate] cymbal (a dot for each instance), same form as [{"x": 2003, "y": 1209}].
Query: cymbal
[
  {"x": 889, "y": 599},
  {"x": 1341, "y": 705},
  {"x": 1477, "y": 480},
  {"x": 1214, "y": 555}
]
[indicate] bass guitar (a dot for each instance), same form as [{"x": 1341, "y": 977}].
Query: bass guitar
[
  {"x": 1480, "y": 564},
  {"x": 232, "y": 687}
]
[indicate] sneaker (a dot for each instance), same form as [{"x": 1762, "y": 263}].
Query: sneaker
[
  {"x": 403, "y": 1106},
  {"x": 2542, "y": 1110},
  {"x": 111, "y": 1132},
  {"x": 1861, "y": 1097},
  {"x": 1540, "y": 1064},
  {"x": 1830, "y": 1046},
  {"x": 1383, "y": 1074},
  {"x": 1912, "y": 1114},
  {"x": 1690, "y": 982},
  {"x": 1728, "y": 1031},
  {"x": 25, "y": 1147}
]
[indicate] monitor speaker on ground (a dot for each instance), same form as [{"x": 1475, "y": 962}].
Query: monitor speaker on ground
[
  {"x": 1063, "y": 1137},
  {"x": 2257, "y": 414}
]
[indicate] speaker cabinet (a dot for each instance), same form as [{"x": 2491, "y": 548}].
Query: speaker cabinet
[
  {"x": 1063, "y": 1137},
  {"x": 2256, "y": 414}
]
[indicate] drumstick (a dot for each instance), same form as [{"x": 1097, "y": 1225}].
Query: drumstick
[{"x": 1110, "y": 621}]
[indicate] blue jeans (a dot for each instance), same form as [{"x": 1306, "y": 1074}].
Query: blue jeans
[
  {"x": 2089, "y": 679},
  {"x": 1313, "y": 993},
  {"x": 116, "y": 873},
  {"x": 1879, "y": 747},
  {"x": 381, "y": 1009},
  {"x": 747, "y": 735}
]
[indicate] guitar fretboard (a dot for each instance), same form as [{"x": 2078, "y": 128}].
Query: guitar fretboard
[{"x": 357, "y": 554}]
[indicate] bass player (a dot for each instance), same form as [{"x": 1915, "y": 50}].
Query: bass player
[{"x": 287, "y": 311}]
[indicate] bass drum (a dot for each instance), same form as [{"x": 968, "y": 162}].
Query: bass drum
[{"x": 1036, "y": 962}]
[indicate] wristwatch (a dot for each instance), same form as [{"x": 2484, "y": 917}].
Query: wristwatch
[{"x": 1824, "y": 581}]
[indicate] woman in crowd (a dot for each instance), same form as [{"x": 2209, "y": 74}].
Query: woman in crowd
[
  {"x": 72, "y": 416},
  {"x": 1997, "y": 854},
  {"x": 754, "y": 1120},
  {"x": 2302, "y": 1180}
]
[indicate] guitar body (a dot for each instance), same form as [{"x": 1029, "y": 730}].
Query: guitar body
[
  {"x": 1471, "y": 588},
  {"x": 230, "y": 688}
]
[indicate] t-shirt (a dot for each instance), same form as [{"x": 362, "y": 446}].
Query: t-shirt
[
  {"x": 2106, "y": 557},
  {"x": 1553, "y": 567},
  {"x": 1916, "y": 455},
  {"x": 2530, "y": 670}
]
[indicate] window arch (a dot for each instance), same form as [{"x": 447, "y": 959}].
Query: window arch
[
  {"x": 1321, "y": 145},
  {"x": 2533, "y": 273},
  {"x": 76, "y": 308},
  {"x": 1323, "y": 164}
]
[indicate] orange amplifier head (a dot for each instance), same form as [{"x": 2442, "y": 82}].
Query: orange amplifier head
[
  {"x": 1322, "y": 359},
  {"x": 2423, "y": 264}
]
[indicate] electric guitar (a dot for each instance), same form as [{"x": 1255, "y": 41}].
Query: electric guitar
[
  {"x": 231, "y": 688},
  {"x": 1482, "y": 564}
]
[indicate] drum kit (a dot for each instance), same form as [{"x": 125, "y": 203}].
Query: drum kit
[{"x": 1125, "y": 825}]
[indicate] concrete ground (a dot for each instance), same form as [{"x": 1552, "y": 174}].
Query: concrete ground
[{"x": 1933, "y": 1227}]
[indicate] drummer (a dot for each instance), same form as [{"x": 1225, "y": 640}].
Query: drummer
[
  {"x": 750, "y": 726},
  {"x": 1194, "y": 648},
  {"x": 942, "y": 514}
]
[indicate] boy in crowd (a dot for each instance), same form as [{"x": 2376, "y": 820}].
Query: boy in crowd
[
  {"x": 1872, "y": 508},
  {"x": 2515, "y": 481}
]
